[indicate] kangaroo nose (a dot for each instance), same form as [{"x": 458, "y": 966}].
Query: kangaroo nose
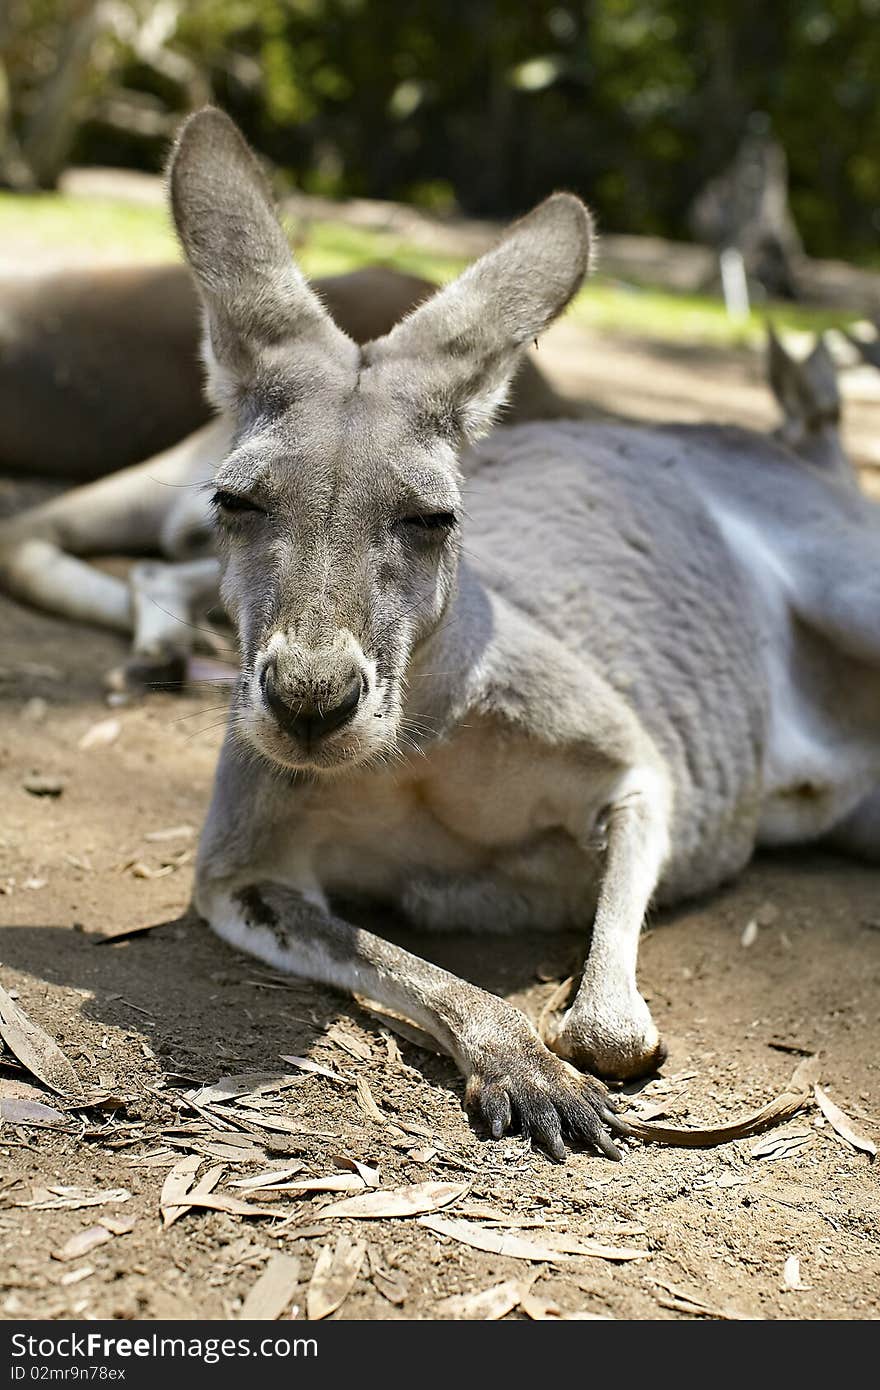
[{"x": 306, "y": 720}]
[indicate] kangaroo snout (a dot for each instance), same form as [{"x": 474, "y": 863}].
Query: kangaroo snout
[{"x": 302, "y": 712}]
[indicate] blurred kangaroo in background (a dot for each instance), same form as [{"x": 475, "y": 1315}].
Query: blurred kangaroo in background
[{"x": 533, "y": 683}]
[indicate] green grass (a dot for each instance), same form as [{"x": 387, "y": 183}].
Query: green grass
[
  {"x": 52, "y": 221},
  {"x": 106, "y": 225}
]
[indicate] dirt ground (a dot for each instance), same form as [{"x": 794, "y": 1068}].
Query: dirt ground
[{"x": 151, "y": 1017}]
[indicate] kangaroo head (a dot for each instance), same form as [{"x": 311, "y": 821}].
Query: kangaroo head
[{"x": 338, "y": 508}]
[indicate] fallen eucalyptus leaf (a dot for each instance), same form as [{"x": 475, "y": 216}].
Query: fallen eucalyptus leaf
[
  {"x": 792, "y": 1099},
  {"x": 398, "y": 1201},
  {"x": 32, "y": 1112},
  {"x": 101, "y": 735},
  {"x": 488, "y": 1305},
  {"x": 336, "y": 1271},
  {"x": 843, "y": 1125},
  {"x": 273, "y": 1292},
  {"x": 36, "y": 1050}
]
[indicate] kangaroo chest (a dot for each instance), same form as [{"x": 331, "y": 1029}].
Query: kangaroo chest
[{"x": 484, "y": 804}]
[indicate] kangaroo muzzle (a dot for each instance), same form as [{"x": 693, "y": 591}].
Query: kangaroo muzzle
[{"x": 305, "y": 715}]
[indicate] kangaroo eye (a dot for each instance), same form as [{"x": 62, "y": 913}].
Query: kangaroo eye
[
  {"x": 430, "y": 521},
  {"x": 232, "y": 502}
]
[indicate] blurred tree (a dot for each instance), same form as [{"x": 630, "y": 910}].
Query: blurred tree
[{"x": 636, "y": 104}]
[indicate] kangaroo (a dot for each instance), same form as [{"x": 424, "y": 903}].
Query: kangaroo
[{"x": 535, "y": 682}]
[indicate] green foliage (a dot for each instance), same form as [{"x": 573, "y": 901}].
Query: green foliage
[{"x": 635, "y": 104}]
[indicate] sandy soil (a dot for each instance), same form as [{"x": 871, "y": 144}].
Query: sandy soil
[{"x": 149, "y": 1017}]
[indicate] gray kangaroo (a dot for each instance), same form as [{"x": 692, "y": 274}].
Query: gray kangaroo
[{"x": 531, "y": 684}]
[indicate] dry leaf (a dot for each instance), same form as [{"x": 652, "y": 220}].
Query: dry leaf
[
  {"x": 681, "y": 1301},
  {"x": 488, "y": 1305},
  {"x": 399, "y": 1201},
  {"x": 74, "y": 1198},
  {"x": 335, "y": 1273},
  {"x": 141, "y": 870},
  {"x": 792, "y": 1099},
  {"x": 782, "y": 1145},
  {"x": 266, "y": 1179},
  {"x": 82, "y": 1243},
  {"x": 390, "y": 1283},
  {"x": 174, "y": 832},
  {"x": 493, "y": 1241},
  {"x": 539, "y": 1309},
  {"x": 423, "y": 1154},
  {"x": 552, "y": 1247},
  {"x": 16, "y": 1111},
  {"x": 393, "y": 1287},
  {"x": 220, "y": 1201},
  {"x": 252, "y": 1083},
  {"x": 36, "y": 1050},
  {"x": 411, "y": 1032},
  {"x": 367, "y": 1104},
  {"x": 279, "y": 1124},
  {"x": 273, "y": 1292},
  {"x": 355, "y": 1046},
  {"x": 336, "y": 1182},
  {"x": 195, "y": 1196},
  {"x": 306, "y": 1064},
  {"x": 228, "y": 1153},
  {"x": 368, "y": 1175},
  {"x": 843, "y": 1125},
  {"x": 100, "y": 735},
  {"x": 119, "y": 1225},
  {"x": 175, "y": 1187}
]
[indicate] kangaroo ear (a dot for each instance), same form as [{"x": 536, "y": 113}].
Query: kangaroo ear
[
  {"x": 807, "y": 391},
  {"x": 460, "y": 350},
  {"x": 820, "y": 378},
  {"x": 256, "y": 300},
  {"x": 782, "y": 373}
]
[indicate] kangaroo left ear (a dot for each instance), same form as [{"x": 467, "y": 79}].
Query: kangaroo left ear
[{"x": 459, "y": 351}]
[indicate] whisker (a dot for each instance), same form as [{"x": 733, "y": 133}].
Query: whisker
[
  {"x": 197, "y": 713},
  {"x": 184, "y": 622}
]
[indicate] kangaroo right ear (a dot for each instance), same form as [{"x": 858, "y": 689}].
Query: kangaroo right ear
[
  {"x": 459, "y": 351},
  {"x": 255, "y": 298},
  {"x": 782, "y": 373}
]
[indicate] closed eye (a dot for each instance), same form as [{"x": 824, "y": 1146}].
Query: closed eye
[
  {"x": 232, "y": 503},
  {"x": 429, "y": 521}
]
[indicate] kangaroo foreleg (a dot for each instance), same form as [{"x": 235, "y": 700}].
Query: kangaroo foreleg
[
  {"x": 512, "y": 1078},
  {"x": 609, "y": 1028}
]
